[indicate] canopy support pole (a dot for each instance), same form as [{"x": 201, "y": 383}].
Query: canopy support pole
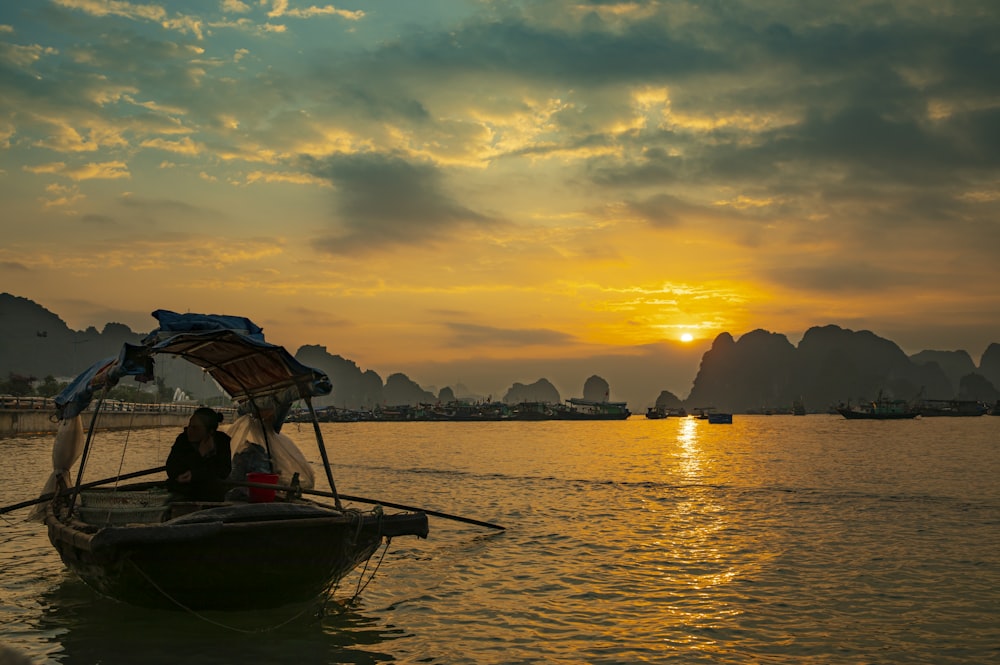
[
  {"x": 86, "y": 446},
  {"x": 322, "y": 452}
]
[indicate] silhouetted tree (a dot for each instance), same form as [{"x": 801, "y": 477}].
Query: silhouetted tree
[
  {"x": 49, "y": 387},
  {"x": 18, "y": 385}
]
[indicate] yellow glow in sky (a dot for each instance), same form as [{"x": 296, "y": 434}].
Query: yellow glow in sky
[{"x": 383, "y": 184}]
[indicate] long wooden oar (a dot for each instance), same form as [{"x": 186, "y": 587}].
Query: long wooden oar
[
  {"x": 48, "y": 496},
  {"x": 457, "y": 518},
  {"x": 361, "y": 499}
]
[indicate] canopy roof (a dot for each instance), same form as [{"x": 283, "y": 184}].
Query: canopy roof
[{"x": 230, "y": 348}]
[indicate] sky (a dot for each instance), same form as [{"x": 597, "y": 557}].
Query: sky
[{"x": 482, "y": 193}]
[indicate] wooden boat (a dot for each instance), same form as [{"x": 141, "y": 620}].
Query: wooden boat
[
  {"x": 882, "y": 408},
  {"x": 229, "y": 556},
  {"x": 140, "y": 544}
]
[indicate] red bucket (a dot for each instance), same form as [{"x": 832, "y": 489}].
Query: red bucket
[{"x": 257, "y": 494}]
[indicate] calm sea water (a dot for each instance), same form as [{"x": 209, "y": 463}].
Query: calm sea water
[{"x": 773, "y": 540}]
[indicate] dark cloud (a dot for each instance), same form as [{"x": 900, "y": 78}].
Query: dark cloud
[
  {"x": 384, "y": 201},
  {"x": 655, "y": 167},
  {"x": 98, "y": 220},
  {"x": 589, "y": 53},
  {"x": 316, "y": 317},
  {"x": 845, "y": 277},
  {"x": 664, "y": 210},
  {"x": 170, "y": 207},
  {"x": 14, "y": 265},
  {"x": 469, "y": 335}
]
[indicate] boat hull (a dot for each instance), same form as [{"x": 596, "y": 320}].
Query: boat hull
[
  {"x": 578, "y": 415},
  {"x": 232, "y": 557},
  {"x": 953, "y": 408},
  {"x": 851, "y": 414}
]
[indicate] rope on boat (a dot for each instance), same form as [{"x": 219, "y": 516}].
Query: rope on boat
[
  {"x": 362, "y": 583},
  {"x": 381, "y": 516},
  {"x": 362, "y": 587},
  {"x": 202, "y": 617},
  {"x": 128, "y": 433}
]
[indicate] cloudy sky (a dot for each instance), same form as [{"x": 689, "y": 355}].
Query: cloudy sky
[{"x": 444, "y": 188}]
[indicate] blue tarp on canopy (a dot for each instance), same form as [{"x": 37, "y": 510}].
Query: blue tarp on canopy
[
  {"x": 132, "y": 360},
  {"x": 172, "y": 322},
  {"x": 231, "y": 349}
]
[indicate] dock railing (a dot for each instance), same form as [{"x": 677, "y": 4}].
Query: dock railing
[{"x": 32, "y": 415}]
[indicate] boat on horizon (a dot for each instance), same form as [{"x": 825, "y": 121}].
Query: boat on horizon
[
  {"x": 266, "y": 544},
  {"x": 587, "y": 409},
  {"x": 881, "y": 408},
  {"x": 713, "y": 416},
  {"x": 932, "y": 408},
  {"x": 486, "y": 411},
  {"x": 656, "y": 412}
]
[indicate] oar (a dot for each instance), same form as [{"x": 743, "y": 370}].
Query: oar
[
  {"x": 51, "y": 495},
  {"x": 457, "y": 518},
  {"x": 361, "y": 499}
]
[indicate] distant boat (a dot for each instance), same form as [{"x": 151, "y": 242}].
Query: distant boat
[
  {"x": 798, "y": 408},
  {"x": 656, "y": 412},
  {"x": 930, "y": 408},
  {"x": 881, "y": 408},
  {"x": 712, "y": 416},
  {"x": 533, "y": 411},
  {"x": 586, "y": 409}
]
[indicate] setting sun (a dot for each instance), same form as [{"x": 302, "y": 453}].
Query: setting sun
[{"x": 687, "y": 337}]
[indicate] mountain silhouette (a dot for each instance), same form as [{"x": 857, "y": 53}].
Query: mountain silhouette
[
  {"x": 541, "y": 390},
  {"x": 759, "y": 370},
  {"x": 763, "y": 370}
]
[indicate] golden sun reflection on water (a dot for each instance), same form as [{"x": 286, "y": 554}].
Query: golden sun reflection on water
[
  {"x": 687, "y": 437},
  {"x": 708, "y": 552}
]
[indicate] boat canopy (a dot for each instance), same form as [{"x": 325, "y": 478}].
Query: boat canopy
[{"x": 230, "y": 348}]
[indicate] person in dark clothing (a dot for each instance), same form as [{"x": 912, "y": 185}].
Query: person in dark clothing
[{"x": 200, "y": 458}]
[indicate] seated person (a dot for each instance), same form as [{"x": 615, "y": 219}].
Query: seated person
[{"x": 200, "y": 458}]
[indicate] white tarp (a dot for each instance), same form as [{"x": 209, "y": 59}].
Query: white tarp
[
  {"x": 66, "y": 451},
  {"x": 286, "y": 458}
]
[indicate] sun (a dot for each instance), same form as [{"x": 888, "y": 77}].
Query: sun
[{"x": 687, "y": 337}]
